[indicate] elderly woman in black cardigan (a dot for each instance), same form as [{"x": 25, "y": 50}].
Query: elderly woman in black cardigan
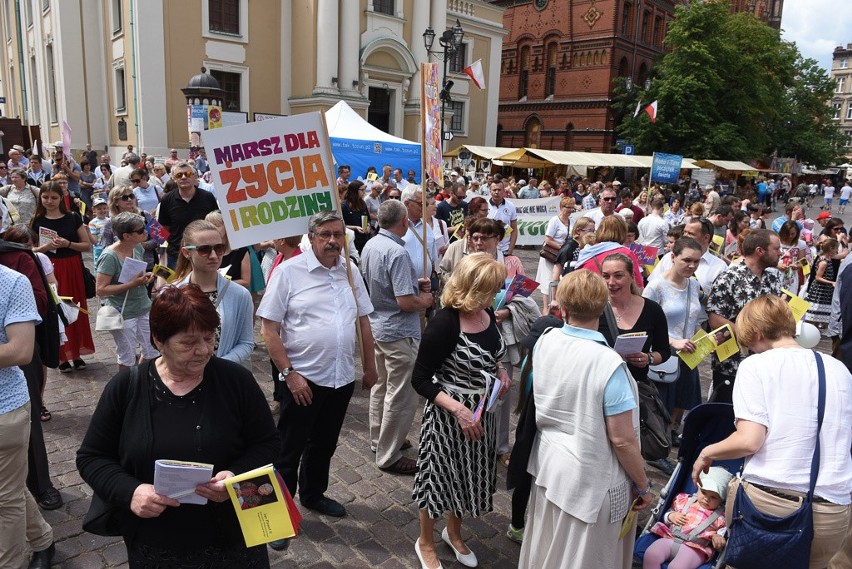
[{"x": 185, "y": 405}]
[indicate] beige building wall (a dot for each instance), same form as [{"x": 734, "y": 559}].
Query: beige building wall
[
  {"x": 841, "y": 71},
  {"x": 119, "y": 65}
]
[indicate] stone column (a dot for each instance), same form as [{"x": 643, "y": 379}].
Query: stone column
[
  {"x": 419, "y": 23},
  {"x": 438, "y": 22},
  {"x": 349, "y": 49},
  {"x": 327, "y": 41}
]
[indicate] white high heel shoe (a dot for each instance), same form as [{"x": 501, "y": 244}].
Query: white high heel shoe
[
  {"x": 420, "y": 556},
  {"x": 466, "y": 559}
]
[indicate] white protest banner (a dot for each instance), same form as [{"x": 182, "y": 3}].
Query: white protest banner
[
  {"x": 533, "y": 216},
  {"x": 271, "y": 176}
]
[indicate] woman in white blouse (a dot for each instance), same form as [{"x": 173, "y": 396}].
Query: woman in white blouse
[
  {"x": 775, "y": 403},
  {"x": 558, "y": 230}
]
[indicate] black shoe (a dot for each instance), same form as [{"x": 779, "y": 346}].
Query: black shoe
[
  {"x": 65, "y": 367},
  {"x": 79, "y": 364},
  {"x": 675, "y": 439},
  {"x": 41, "y": 559},
  {"x": 280, "y": 544},
  {"x": 50, "y": 499},
  {"x": 663, "y": 464},
  {"x": 326, "y": 506}
]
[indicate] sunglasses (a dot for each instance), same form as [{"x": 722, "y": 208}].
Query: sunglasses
[
  {"x": 608, "y": 199},
  {"x": 140, "y": 231},
  {"x": 181, "y": 175},
  {"x": 393, "y": 197},
  {"x": 205, "y": 250},
  {"x": 135, "y": 181},
  {"x": 128, "y": 197}
]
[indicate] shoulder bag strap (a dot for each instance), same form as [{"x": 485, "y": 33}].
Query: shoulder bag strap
[
  {"x": 221, "y": 294},
  {"x": 610, "y": 322},
  {"x": 688, "y": 301},
  {"x": 820, "y": 416}
]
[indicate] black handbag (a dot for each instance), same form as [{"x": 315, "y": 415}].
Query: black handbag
[
  {"x": 761, "y": 541},
  {"x": 104, "y": 518},
  {"x": 88, "y": 281}
]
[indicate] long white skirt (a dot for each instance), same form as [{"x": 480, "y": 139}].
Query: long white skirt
[
  {"x": 543, "y": 275},
  {"x": 556, "y": 540}
]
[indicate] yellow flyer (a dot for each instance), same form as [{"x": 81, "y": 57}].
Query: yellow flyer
[
  {"x": 805, "y": 266},
  {"x": 798, "y": 305},
  {"x": 718, "y": 244},
  {"x": 264, "y": 508},
  {"x": 721, "y": 340}
]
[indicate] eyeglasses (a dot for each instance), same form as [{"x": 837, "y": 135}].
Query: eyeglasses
[
  {"x": 181, "y": 175},
  {"x": 135, "y": 181},
  {"x": 608, "y": 199},
  {"x": 393, "y": 197},
  {"x": 326, "y": 235},
  {"x": 205, "y": 250},
  {"x": 480, "y": 237},
  {"x": 128, "y": 197}
]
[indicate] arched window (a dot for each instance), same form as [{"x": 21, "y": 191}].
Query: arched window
[
  {"x": 623, "y": 68},
  {"x": 569, "y": 136},
  {"x": 533, "y": 133},
  {"x": 646, "y": 17},
  {"x": 625, "y": 18},
  {"x": 550, "y": 78},
  {"x": 658, "y": 38},
  {"x": 524, "y": 67}
]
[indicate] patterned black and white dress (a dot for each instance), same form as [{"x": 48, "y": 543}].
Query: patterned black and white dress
[
  {"x": 455, "y": 474},
  {"x": 820, "y": 294}
]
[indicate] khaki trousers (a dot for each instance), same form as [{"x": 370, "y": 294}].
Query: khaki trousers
[
  {"x": 393, "y": 401},
  {"x": 831, "y": 521},
  {"x": 20, "y": 518}
]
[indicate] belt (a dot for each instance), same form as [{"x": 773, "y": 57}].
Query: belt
[{"x": 786, "y": 496}]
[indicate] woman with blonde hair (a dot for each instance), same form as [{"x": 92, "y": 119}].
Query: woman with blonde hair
[
  {"x": 555, "y": 235},
  {"x": 775, "y": 404},
  {"x": 123, "y": 199},
  {"x": 237, "y": 261},
  {"x": 583, "y": 483},
  {"x": 456, "y": 463}
]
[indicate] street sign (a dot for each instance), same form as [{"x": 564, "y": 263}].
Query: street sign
[
  {"x": 620, "y": 142},
  {"x": 629, "y": 149},
  {"x": 448, "y": 135}
]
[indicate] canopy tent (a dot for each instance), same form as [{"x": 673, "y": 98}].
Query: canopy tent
[
  {"x": 729, "y": 165},
  {"x": 483, "y": 152},
  {"x": 358, "y": 144},
  {"x": 581, "y": 159},
  {"x": 520, "y": 158}
]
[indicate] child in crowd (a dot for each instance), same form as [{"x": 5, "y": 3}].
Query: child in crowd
[
  {"x": 96, "y": 227},
  {"x": 821, "y": 287},
  {"x": 694, "y": 527}
]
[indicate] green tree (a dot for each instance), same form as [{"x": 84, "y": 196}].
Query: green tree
[{"x": 729, "y": 88}]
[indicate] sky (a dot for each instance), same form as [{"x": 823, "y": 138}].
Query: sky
[{"x": 817, "y": 27}]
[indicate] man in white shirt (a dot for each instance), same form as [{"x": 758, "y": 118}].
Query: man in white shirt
[
  {"x": 828, "y": 196},
  {"x": 105, "y": 159},
  {"x": 412, "y": 197},
  {"x": 399, "y": 180},
  {"x": 501, "y": 210},
  {"x": 710, "y": 265},
  {"x": 845, "y": 192},
  {"x": 653, "y": 229},
  {"x": 307, "y": 317},
  {"x": 608, "y": 200}
]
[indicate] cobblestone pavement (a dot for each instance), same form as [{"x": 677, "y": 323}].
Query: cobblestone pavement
[{"x": 379, "y": 530}]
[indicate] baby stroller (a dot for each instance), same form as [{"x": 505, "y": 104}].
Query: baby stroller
[{"x": 704, "y": 425}]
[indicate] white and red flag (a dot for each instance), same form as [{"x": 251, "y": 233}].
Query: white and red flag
[
  {"x": 474, "y": 71},
  {"x": 652, "y": 111}
]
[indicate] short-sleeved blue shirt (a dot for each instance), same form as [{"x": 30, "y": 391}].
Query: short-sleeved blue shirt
[{"x": 17, "y": 304}]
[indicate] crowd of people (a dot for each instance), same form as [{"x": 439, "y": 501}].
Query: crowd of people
[{"x": 407, "y": 278}]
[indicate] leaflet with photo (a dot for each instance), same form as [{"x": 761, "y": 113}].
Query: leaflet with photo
[
  {"x": 46, "y": 236},
  {"x": 721, "y": 340},
  {"x": 264, "y": 507},
  {"x": 798, "y": 305},
  {"x": 630, "y": 343},
  {"x": 130, "y": 269}
]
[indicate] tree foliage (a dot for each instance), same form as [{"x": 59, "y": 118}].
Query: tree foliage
[{"x": 730, "y": 88}]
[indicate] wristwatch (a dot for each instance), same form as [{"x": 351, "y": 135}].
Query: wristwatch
[
  {"x": 650, "y": 359},
  {"x": 282, "y": 376}
]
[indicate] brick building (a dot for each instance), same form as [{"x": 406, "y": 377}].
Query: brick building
[
  {"x": 560, "y": 58},
  {"x": 841, "y": 103}
]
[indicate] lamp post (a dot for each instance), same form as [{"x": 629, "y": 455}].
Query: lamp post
[{"x": 450, "y": 41}]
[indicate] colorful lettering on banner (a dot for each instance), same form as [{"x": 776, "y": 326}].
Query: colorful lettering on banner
[{"x": 271, "y": 176}]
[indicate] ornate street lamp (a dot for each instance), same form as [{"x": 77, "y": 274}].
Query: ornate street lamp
[{"x": 450, "y": 41}]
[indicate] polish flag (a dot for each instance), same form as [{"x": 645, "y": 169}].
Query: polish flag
[
  {"x": 652, "y": 111},
  {"x": 474, "y": 71}
]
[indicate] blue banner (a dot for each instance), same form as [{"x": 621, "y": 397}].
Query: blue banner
[
  {"x": 666, "y": 168},
  {"x": 359, "y": 154}
]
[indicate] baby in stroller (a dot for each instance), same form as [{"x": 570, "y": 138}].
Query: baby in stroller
[{"x": 693, "y": 527}]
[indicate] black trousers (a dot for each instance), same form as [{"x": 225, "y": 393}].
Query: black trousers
[
  {"x": 723, "y": 388},
  {"x": 309, "y": 438},
  {"x": 38, "y": 476}
]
